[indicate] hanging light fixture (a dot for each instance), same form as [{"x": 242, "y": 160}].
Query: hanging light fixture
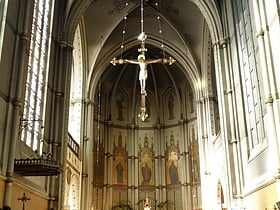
[{"x": 143, "y": 62}]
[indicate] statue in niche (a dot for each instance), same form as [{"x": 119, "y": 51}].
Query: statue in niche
[
  {"x": 146, "y": 166},
  {"x": 173, "y": 162},
  {"x": 119, "y": 162},
  {"x": 171, "y": 107},
  {"x": 120, "y": 107},
  {"x": 173, "y": 173},
  {"x": 119, "y": 169},
  {"x": 191, "y": 102},
  {"x": 147, "y": 174}
]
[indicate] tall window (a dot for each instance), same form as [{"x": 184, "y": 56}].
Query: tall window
[
  {"x": 75, "y": 107},
  {"x": 3, "y": 11},
  {"x": 250, "y": 70},
  {"x": 34, "y": 103}
]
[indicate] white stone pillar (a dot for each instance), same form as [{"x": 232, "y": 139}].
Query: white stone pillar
[
  {"x": 203, "y": 153},
  {"x": 232, "y": 135},
  {"x": 186, "y": 168},
  {"x": 132, "y": 139},
  {"x": 108, "y": 165},
  {"x": 86, "y": 155},
  {"x": 224, "y": 112},
  {"x": 17, "y": 100}
]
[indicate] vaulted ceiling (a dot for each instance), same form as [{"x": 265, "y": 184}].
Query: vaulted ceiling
[{"x": 183, "y": 28}]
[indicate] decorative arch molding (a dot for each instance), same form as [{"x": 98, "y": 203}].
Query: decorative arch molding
[
  {"x": 186, "y": 63},
  {"x": 74, "y": 12},
  {"x": 206, "y": 57},
  {"x": 210, "y": 11}
]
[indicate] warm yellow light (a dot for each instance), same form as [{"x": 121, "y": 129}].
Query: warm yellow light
[{"x": 200, "y": 84}]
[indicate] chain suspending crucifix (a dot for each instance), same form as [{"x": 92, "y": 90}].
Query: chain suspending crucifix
[{"x": 143, "y": 63}]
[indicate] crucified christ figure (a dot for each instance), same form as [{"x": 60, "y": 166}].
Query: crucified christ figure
[
  {"x": 143, "y": 63},
  {"x": 143, "y": 73}
]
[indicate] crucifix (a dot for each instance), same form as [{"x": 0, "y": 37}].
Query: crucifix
[
  {"x": 143, "y": 73},
  {"x": 143, "y": 63},
  {"x": 23, "y": 199}
]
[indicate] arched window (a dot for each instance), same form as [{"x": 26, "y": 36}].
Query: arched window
[
  {"x": 76, "y": 95},
  {"x": 34, "y": 103}
]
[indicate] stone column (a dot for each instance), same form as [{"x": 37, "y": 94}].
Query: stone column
[
  {"x": 17, "y": 101},
  {"x": 232, "y": 135},
  {"x": 204, "y": 153},
  {"x": 132, "y": 163},
  {"x": 186, "y": 182},
  {"x": 86, "y": 154},
  {"x": 226, "y": 113},
  {"x": 159, "y": 161},
  {"x": 108, "y": 173},
  {"x": 60, "y": 119}
]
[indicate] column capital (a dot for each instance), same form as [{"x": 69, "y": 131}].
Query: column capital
[
  {"x": 65, "y": 44},
  {"x": 268, "y": 100},
  {"x": 260, "y": 33},
  {"x": 10, "y": 179},
  {"x": 108, "y": 122},
  {"x": 201, "y": 100},
  {"x": 132, "y": 126},
  {"x": 159, "y": 126},
  {"x": 17, "y": 102},
  {"x": 228, "y": 91},
  {"x": 182, "y": 121},
  {"x": 24, "y": 37},
  {"x": 59, "y": 94},
  {"x": 222, "y": 43},
  {"x": 88, "y": 101}
]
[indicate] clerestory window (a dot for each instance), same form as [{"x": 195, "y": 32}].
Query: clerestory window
[
  {"x": 250, "y": 72},
  {"x": 34, "y": 103}
]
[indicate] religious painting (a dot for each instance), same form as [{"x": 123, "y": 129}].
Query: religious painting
[
  {"x": 172, "y": 162},
  {"x": 119, "y": 162},
  {"x": 146, "y": 163}
]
